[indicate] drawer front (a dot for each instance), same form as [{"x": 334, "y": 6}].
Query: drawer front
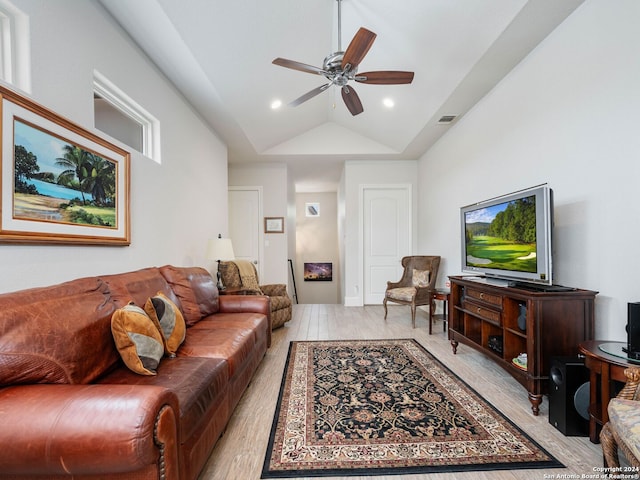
[
  {"x": 488, "y": 314},
  {"x": 484, "y": 297}
]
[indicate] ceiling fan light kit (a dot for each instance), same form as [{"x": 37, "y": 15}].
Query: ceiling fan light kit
[{"x": 339, "y": 68}]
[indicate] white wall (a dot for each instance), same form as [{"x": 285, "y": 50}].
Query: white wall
[
  {"x": 568, "y": 115},
  {"x": 357, "y": 173},
  {"x": 341, "y": 208},
  {"x": 291, "y": 235},
  {"x": 273, "y": 180},
  {"x": 175, "y": 206}
]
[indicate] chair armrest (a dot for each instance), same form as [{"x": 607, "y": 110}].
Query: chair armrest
[
  {"x": 240, "y": 291},
  {"x": 630, "y": 390},
  {"x": 274, "y": 290},
  {"x": 87, "y": 429},
  {"x": 391, "y": 285},
  {"x": 424, "y": 294}
]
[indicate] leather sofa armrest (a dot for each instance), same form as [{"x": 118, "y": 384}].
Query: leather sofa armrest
[
  {"x": 247, "y": 303},
  {"x": 87, "y": 429},
  {"x": 274, "y": 290}
]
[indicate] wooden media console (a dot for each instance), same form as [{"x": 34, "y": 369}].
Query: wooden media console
[{"x": 506, "y": 322}]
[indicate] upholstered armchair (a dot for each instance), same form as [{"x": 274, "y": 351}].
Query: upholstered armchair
[
  {"x": 242, "y": 276},
  {"x": 622, "y": 431},
  {"x": 415, "y": 287}
]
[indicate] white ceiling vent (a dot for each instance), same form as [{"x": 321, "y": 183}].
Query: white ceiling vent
[{"x": 447, "y": 119}]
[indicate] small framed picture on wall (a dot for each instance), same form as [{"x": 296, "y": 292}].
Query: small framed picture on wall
[
  {"x": 318, "y": 272},
  {"x": 312, "y": 209},
  {"x": 273, "y": 224}
]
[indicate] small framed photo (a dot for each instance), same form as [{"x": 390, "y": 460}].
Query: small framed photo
[
  {"x": 273, "y": 224},
  {"x": 312, "y": 209},
  {"x": 318, "y": 272}
]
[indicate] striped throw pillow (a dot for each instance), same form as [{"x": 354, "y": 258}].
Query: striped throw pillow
[
  {"x": 169, "y": 320},
  {"x": 137, "y": 339}
]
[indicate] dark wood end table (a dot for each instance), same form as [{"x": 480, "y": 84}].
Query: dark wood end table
[
  {"x": 443, "y": 296},
  {"x": 605, "y": 367}
]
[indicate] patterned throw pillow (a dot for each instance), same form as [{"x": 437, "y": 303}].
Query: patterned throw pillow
[
  {"x": 169, "y": 321},
  {"x": 137, "y": 339},
  {"x": 420, "y": 278}
]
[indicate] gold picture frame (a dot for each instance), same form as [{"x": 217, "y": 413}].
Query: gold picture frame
[
  {"x": 59, "y": 183},
  {"x": 273, "y": 224}
]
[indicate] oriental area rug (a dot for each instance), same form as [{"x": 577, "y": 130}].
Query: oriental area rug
[{"x": 385, "y": 407}]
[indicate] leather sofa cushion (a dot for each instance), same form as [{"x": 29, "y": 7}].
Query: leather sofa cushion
[
  {"x": 57, "y": 334},
  {"x": 138, "y": 286},
  {"x": 195, "y": 288},
  {"x": 248, "y": 322},
  {"x": 234, "y": 344},
  {"x": 199, "y": 383}
]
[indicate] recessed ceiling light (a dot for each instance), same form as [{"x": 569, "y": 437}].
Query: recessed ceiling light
[
  {"x": 276, "y": 104},
  {"x": 388, "y": 102}
]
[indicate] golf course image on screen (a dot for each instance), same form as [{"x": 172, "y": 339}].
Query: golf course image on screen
[{"x": 502, "y": 236}]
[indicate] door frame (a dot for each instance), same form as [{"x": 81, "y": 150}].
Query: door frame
[
  {"x": 412, "y": 243},
  {"x": 258, "y": 189}
]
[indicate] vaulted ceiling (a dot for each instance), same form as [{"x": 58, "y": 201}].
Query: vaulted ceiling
[{"x": 219, "y": 55}]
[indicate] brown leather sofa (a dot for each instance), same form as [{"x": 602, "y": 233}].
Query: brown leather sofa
[{"x": 70, "y": 408}]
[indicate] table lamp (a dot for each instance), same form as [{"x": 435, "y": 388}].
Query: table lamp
[{"x": 220, "y": 249}]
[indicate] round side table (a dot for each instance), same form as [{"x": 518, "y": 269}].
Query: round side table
[{"x": 606, "y": 363}]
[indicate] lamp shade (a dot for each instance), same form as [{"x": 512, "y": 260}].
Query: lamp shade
[{"x": 220, "y": 249}]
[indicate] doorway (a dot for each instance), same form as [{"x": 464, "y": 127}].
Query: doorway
[
  {"x": 245, "y": 225},
  {"x": 386, "y": 236},
  {"x": 317, "y": 248}
]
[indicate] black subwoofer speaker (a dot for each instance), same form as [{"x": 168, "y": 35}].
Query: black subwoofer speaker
[
  {"x": 569, "y": 396},
  {"x": 633, "y": 331}
]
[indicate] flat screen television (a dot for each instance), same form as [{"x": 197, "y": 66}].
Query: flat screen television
[{"x": 508, "y": 238}]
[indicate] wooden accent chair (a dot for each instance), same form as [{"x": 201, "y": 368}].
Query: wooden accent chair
[
  {"x": 622, "y": 431},
  {"x": 415, "y": 287},
  {"x": 247, "y": 284}
]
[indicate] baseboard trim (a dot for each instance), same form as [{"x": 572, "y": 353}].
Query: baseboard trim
[{"x": 353, "y": 302}]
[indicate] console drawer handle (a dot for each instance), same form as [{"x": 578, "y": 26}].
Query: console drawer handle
[
  {"x": 478, "y": 310},
  {"x": 482, "y": 295}
]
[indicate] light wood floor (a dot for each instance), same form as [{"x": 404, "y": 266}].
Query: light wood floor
[{"x": 240, "y": 452}]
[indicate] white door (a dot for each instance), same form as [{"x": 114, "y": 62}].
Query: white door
[
  {"x": 245, "y": 224},
  {"x": 386, "y": 236}
]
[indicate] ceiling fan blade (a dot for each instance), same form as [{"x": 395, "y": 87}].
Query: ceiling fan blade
[
  {"x": 309, "y": 95},
  {"x": 385, "y": 77},
  {"x": 358, "y": 48},
  {"x": 351, "y": 100},
  {"x": 302, "y": 67}
]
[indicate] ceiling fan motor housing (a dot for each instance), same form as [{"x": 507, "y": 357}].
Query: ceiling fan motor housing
[
  {"x": 332, "y": 65},
  {"x": 333, "y": 61}
]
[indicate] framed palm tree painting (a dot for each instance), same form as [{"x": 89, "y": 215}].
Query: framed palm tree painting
[{"x": 60, "y": 182}]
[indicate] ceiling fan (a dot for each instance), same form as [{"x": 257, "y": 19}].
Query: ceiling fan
[{"x": 340, "y": 67}]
